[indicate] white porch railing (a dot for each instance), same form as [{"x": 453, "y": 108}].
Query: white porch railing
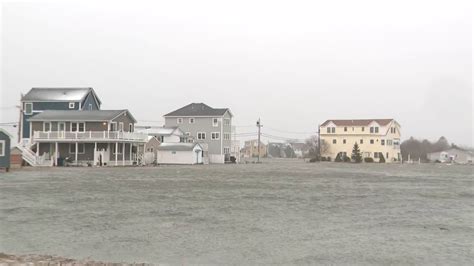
[{"x": 89, "y": 135}]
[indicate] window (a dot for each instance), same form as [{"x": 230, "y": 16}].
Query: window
[
  {"x": 191, "y": 120},
  {"x": 226, "y": 136},
  {"x": 90, "y": 106},
  {"x": 226, "y": 122},
  {"x": 215, "y": 122},
  {"x": 334, "y": 141},
  {"x": 72, "y": 105},
  {"x": 344, "y": 141},
  {"x": 226, "y": 150},
  {"x": 386, "y": 155},
  {"x": 113, "y": 126},
  {"x": 393, "y": 130},
  {"x": 376, "y": 154},
  {"x": 121, "y": 126},
  {"x": 80, "y": 148},
  {"x": 215, "y": 135},
  {"x": 361, "y": 141},
  {"x": 382, "y": 142},
  {"x": 389, "y": 142},
  {"x": 363, "y": 129},
  {"x": 328, "y": 130},
  {"x": 396, "y": 142},
  {"x": 371, "y": 129},
  {"x": 179, "y": 121},
  {"x": 2, "y": 148},
  {"x": 345, "y": 129},
  {"x": 28, "y": 108},
  {"x": 78, "y": 127},
  {"x": 187, "y": 134},
  {"x": 201, "y": 135},
  {"x": 333, "y": 130},
  {"x": 371, "y": 141},
  {"x": 376, "y": 129},
  {"x": 130, "y": 127},
  {"x": 120, "y": 147},
  {"x": 46, "y": 126}
]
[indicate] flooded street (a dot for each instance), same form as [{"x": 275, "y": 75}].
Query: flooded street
[{"x": 282, "y": 211}]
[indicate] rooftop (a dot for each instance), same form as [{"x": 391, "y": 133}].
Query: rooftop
[
  {"x": 357, "y": 122},
  {"x": 57, "y": 94},
  {"x": 74, "y": 115},
  {"x": 177, "y": 146},
  {"x": 198, "y": 109}
]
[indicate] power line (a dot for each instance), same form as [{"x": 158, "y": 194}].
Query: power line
[{"x": 289, "y": 132}]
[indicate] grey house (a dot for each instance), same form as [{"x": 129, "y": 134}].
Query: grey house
[
  {"x": 211, "y": 127},
  {"x": 38, "y": 100},
  {"x": 5, "y": 140},
  {"x": 95, "y": 137}
]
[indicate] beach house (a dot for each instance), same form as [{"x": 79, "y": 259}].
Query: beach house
[{"x": 376, "y": 138}]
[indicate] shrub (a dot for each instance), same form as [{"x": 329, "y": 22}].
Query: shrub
[
  {"x": 328, "y": 159},
  {"x": 381, "y": 158},
  {"x": 338, "y": 158},
  {"x": 347, "y": 159},
  {"x": 368, "y": 160},
  {"x": 313, "y": 160},
  {"x": 323, "y": 159}
]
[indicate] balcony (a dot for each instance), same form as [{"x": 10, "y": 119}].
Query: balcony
[{"x": 89, "y": 136}]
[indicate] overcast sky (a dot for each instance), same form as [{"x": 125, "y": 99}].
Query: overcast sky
[{"x": 292, "y": 63}]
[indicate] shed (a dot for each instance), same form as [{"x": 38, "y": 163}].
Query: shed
[
  {"x": 16, "y": 159},
  {"x": 5, "y": 140},
  {"x": 180, "y": 153}
]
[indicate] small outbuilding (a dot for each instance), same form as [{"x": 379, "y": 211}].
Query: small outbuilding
[
  {"x": 180, "y": 153},
  {"x": 452, "y": 155},
  {"x": 5, "y": 140},
  {"x": 16, "y": 159}
]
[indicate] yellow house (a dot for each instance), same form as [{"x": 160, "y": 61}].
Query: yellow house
[
  {"x": 251, "y": 149},
  {"x": 375, "y": 137}
]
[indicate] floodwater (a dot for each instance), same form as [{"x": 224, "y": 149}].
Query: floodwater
[{"x": 282, "y": 211}]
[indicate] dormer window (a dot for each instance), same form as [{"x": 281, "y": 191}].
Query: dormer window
[
  {"x": 28, "y": 108},
  {"x": 215, "y": 122},
  {"x": 72, "y": 105},
  {"x": 191, "y": 120},
  {"x": 179, "y": 121}
]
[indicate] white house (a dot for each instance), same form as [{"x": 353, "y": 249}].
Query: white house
[
  {"x": 168, "y": 134},
  {"x": 180, "y": 153},
  {"x": 453, "y": 155}
]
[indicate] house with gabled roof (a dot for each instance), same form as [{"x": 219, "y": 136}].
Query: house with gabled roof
[
  {"x": 38, "y": 100},
  {"x": 83, "y": 137},
  {"x": 376, "y": 138},
  {"x": 211, "y": 127}
]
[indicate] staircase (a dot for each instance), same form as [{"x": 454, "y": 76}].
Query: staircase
[{"x": 30, "y": 157}]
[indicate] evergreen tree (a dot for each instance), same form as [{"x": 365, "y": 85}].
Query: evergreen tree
[
  {"x": 381, "y": 158},
  {"x": 356, "y": 155}
]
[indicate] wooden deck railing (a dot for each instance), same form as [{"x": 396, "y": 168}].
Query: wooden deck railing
[{"x": 89, "y": 135}]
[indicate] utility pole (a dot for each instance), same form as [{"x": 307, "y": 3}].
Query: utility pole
[
  {"x": 319, "y": 141},
  {"x": 259, "y": 125}
]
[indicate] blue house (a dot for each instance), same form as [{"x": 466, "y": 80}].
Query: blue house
[
  {"x": 5, "y": 140},
  {"x": 38, "y": 100}
]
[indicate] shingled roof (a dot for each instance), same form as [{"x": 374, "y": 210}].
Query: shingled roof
[
  {"x": 357, "y": 122},
  {"x": 58, "y": 94},
  {"x": 198, "y": 109},
  {"x": 74, "y": 115}
]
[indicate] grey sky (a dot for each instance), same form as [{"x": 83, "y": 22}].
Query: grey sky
[{"x": 292, "y": 63}]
